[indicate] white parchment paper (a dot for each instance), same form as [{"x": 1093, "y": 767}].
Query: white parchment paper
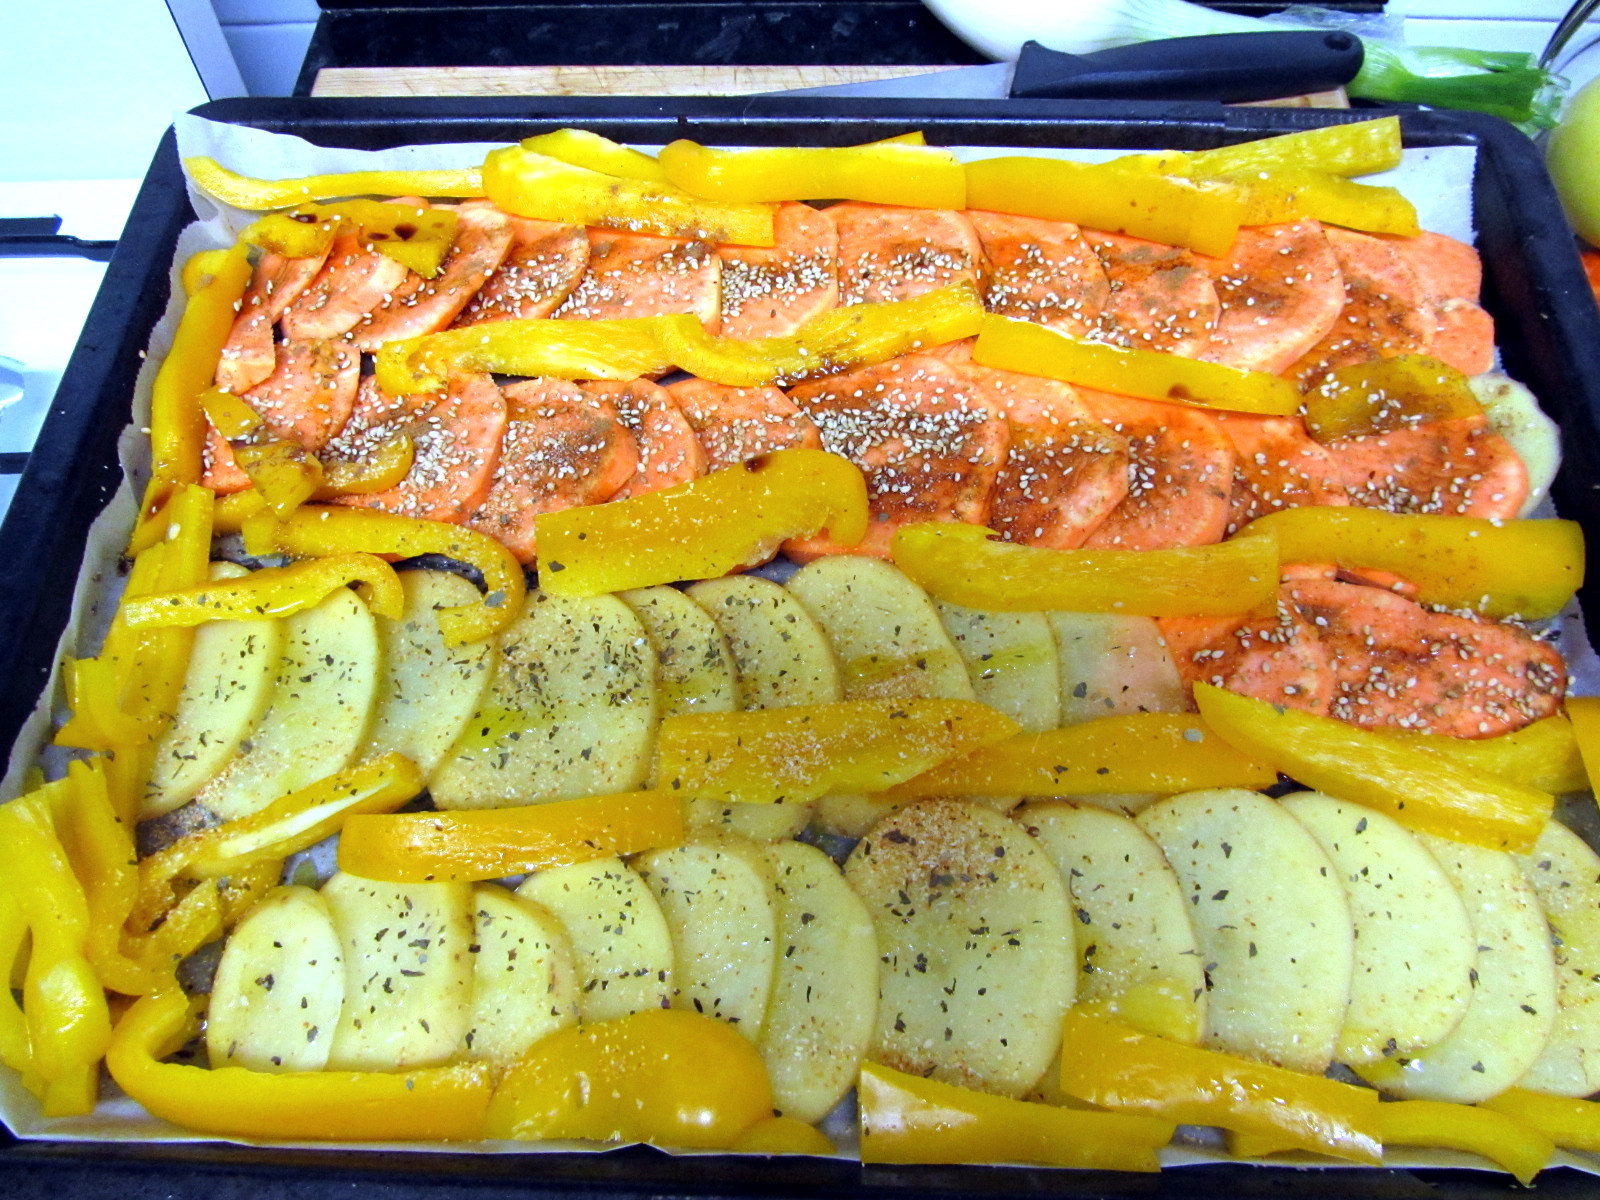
[{"x": 1438, "y": 181}]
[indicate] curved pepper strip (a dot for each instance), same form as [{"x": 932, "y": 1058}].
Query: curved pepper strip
[
  {"x": 177, "y": 424},
  {"x": 1352, "y": 148},
  {"x": 794, "y": 754},
  {"x": 530, "y": 184},
  {"x": 966, "y": 565},
  {"x": 201, "y": 267},
  {"x": 454, "y": 847},
  {"x": 270, "y": 593},
  {"x": 245, "y": 887},
  {"x": 852, "y": 336},
  {"x": 438, "y": 1103},
  {"x": 1584, "y": 714},
  {"x": 1421, "y": 787},
  {"x": 1572, "y": 1124},
  {"x": 68, "y": 1023},
  {"x": 1114, "y": 1067},
  {"x": 908, "y": 1119},
  {"x": 1288, "y": 194},
  {"x": 704, "y": 528},
  {"x": 377, "y": 472},
  {"x": 1497, "y": 568},
  {"x": 1035, "y": 350},
  {"x": 878, "y": 173},
  {"x": 186, "y": 926},
  {"x": 315, "y": 530},
  {"x": 16, "y": 1046},
  {"x": 290, "y": 824},
  {"x": 784, "y": 1135},
  {"x": 664, "y": 1076},
  {"x": 258, "y": 195},
  {"x": 1135, "y": 752},
  {"x": 285, "y": 473},
  {"x": 417, "y": 238},
  {"x": 1387, "y": 394},
  {"x": 607, "y": 349},
  {"x": 581, "y": 148},
  {"x": 1543, "y": 755}
]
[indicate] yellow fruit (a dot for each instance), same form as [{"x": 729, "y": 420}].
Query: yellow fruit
[{"x": 1573, "y": 155}]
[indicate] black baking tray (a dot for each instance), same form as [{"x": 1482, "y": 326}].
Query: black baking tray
[{"x": 1534, "y": 285}]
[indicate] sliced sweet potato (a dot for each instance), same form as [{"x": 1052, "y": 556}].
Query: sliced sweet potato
[
  {"x": 353, "y": 281},
  {"x": 1160, "y": 298},
  {"x": 889, "y": 253},
  {"x": 1459, "y": 467},
  {"x": 544, "y": 263},
  {"x": 1281, "y": 291},
  {"x": 249, "y": 354},
  {"x": 1041, "y": 271},
  {"x": 772, "y": 291},
  {"x": 632, "y": 275},
  {"x": 669, "y": 452},
  {"x": 736, "y": 424},
  {"x": 1277, "y": 465}
]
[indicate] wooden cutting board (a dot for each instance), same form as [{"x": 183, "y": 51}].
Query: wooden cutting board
[{"x": 635, "y": 81}]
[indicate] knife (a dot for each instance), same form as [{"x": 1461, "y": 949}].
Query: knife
[{"x": 1222, "y": 66}]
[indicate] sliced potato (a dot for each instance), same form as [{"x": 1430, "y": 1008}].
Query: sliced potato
[
  {"x": 715, "y": 893},
  {"x": 429, "y": 690},
  {"x": 571, "y": 711},
  {"x": 976, "y": 959},
  {"x": 1011, "y": 660},
  {"x": 1514, "y": 414},
  {"x": 225, "y": 690},
  {"x": 1111, "y": 664},
  {"x": 825, "y": 984},
  {"x": 890, "y": 642},
  {"x": 621, "y": 946},
  {"x": 1565, "y": 874},
  {"x": 324, "y": 689},
  {"x": 781, "y": 658},
  {"x": 1414, "y": 949},
  {"x": 407, "y": 971},
  {"x": 1513, "y": 1005},
  {"x": 279, "y": 987},
  {"x": 524, "y": 983},
  {"x": 694, "y": 667},
  {"x": 1271, "y": 920},
  {"x": 1138, "y": 960}
]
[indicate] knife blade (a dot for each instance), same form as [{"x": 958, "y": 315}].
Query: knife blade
[{"x": 1224, "y": 66}]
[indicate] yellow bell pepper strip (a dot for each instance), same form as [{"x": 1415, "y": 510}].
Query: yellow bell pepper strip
[
  {"x": 203, "y": 266},
  {"x": 1518, "y": 1147},
  {"x": 607, "y": 349},
  {"x": 783, "y": 1135},
  {"x": 233, "y": 418},
  {"x": 1354, "y": 148},
  {"x": 1035, "y": 350},
  {"x": 99, "y": 722},
  {"x": 284, "y": 473},
  {"x": 589, "y": 150},
  {"x": 1291, "y": 193},
  {"x": 16, "y": 1047},
  {"x": 297, "y": 234},
  {"x": 908, "y": 1119},
  {"x": 177, "y": 424},
  {"x": 855, "y": 335},
  {"x": 664, "y": 1076},
  {"x": 1421, "y": 787},
  {"x": 259, "y": 195},
  {"x": 453, "y": 847},
  {"x": 1109, "y": 196},
  {"x": 270, "y": 593},
  {"x": 377, "y": 471},
  {"x": 703, "y": 528},
  {"x": 417, "y": 238},
  {"x": 1543, "y": 755},
  {"x": 1117, "y": 1068},
  {"x": 317, "y": 530},
  {"x": 433, "y": 1104},
  {"x": 195, "y": 921},
  {"x": 1571, "y": 1124},
  {"x": 1135, "y": 752},
  {"x": 967, "y": 565},
  {"x": 879, "y": 173},
  {"x": 1497, "y": 568},
  {"x": 795, "y": 754},
  {"x": 1584, "y": 714},
  {"x": 1387, "y": 394},
  {"x": 530, "y": 184},
  {"x": 243, "y": 889},
  {"x": 68, "y": 1023}
]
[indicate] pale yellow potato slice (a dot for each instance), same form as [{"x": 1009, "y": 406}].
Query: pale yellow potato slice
[
  {"x": 781, "y": 658},
  {"x": 694, "y": 667},
  {"x": 279, "y": 987},
  {"x": 1011, "y": 660},
  {"x": 715, "y": 893},
  {"x": 407, "y": 971},
  {"x": 1110, "y": 665},
  {"x": 1414, "y": 950},
  {"x": 1565, "y": 874},
  {"x": 324, "y": 688},
  {"x": 621, "y": 946},
  {"x": 428, "y": 690},
  {"x": 977, "y": 964},
  {"x": 1513, "y": 1005},
  {"x": 524, "y": 982},
  {"x": 889, "y": 641},
  {"x": 825, "y": 983},
  {"x": 1138, "y": 960},
  {"x": 225, "y": 690},
  {"x": 1271, "y": 921},
  {"x": 571, "y": 711},
  {"x": 1514, "y": 414}
]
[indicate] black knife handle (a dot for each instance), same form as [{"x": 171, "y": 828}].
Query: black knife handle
[{"x": 1224, "y": 66}]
